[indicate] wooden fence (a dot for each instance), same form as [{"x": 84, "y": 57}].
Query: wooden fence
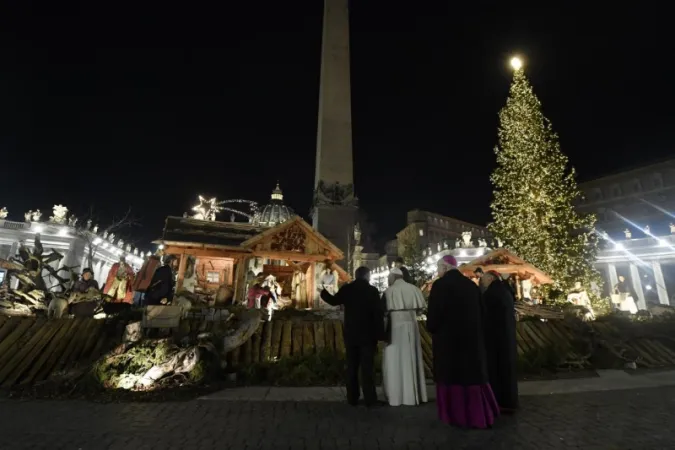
[
  {"x": 33, "y": 349},
  {"x": 288, "y": 338}
]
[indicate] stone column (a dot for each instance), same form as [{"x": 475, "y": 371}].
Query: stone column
[
  {"x": 84, "y": 263},
  {"x": 13, "y": 250},
  {"x": 14, "y": 284},
  {"x": 97, "y": 273},
  {"x": 612, "y": 277},
  {"x": 660, "y": 283},
  {"x": 74, "y": 255},
  {"x": 637, "y": 286}
]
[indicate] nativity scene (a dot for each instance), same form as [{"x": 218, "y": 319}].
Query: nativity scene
[{"x": 275, "y": 259}]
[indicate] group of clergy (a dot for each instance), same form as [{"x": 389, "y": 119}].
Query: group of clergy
[{"x": 473, "y": 334}]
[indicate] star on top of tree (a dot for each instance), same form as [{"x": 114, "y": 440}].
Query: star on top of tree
[{"x": 206, "y": 209}]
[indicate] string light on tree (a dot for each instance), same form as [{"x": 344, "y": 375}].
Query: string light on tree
[{"x": 534, "y": 192}]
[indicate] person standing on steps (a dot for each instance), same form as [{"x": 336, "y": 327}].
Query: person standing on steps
[
  {"x": 400, "y": 265},
  {"x": 363, "y": 327}
]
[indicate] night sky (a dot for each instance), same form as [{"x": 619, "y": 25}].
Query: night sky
[{"x": 142, "y": 105}]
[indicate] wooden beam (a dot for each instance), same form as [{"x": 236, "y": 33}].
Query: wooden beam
[
  {"x": 187, "y": 244},
  {"x": 311, "y": 290},
  {"x": 289, "y": 256},
  {"x": 181, "y": 271},
  {"x": 206, "y": 253}
]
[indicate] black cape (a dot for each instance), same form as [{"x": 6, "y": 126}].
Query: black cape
[
  {"x": 454, "y": 319},
  {"x": 161, "y": 286},
  {"x": 500, "y": 344}
]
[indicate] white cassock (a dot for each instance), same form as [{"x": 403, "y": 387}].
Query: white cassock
[{"x": 402, "y": 363}]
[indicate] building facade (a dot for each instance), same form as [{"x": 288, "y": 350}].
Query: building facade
[
  {"x": 74, "y": 245},
  {"x": 431, "y": 230},
  {"x": 633, "y": 200},
  {"x": 647, "y": 264},
  {"x": 636, "y": 212}
]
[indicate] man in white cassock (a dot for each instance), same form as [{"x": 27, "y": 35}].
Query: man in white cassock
[{"x": 402, "y": 363}]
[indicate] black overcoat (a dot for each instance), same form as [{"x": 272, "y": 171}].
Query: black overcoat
[
  {"x": 500, "y": 343},
  {"x": 364, "y": 318},
  {"x": 161, "y": 286},
  {"x": 454, "y": 319}
]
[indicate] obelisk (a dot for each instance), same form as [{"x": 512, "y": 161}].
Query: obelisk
[{"x": 335, "y": 204}]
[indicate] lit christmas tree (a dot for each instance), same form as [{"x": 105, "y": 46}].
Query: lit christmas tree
[{"x": 534, "y": 195}]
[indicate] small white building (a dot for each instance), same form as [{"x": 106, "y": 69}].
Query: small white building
[{"x": 465, "y": 250}]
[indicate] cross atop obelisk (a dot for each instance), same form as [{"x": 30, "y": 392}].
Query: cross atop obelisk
[{"x": 335, "y": 205}]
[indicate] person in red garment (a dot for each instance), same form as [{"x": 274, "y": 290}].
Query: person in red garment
[
  {"x": 119, "y": 283},
  {"x": 455, "y": 320},
  {"x": 253, "y": 296}
]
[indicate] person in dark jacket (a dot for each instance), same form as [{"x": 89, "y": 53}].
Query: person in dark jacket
[
  {"x": 500, "y": 340},
  {"x": 162, "y": 284},
  {"x": 400, "y": 264},
  {"x": 363, "y": 327},
  {"x": 454, "y": 318},
  {"x": 86, "y": 282}
]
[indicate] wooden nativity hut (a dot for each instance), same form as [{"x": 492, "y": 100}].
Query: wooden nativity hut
[
  {"x": 235, "y": 254},
  {"x": 524, "y": 277}
]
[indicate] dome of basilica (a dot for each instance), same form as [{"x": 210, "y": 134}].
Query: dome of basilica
[{"x": 275, "y": 212}]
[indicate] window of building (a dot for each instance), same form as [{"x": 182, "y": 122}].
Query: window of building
[
  {"x": 657, "y": 181},
  {"x": 213, "y": 277},
  {"x": 616, "y": 190},
  {"x": 636, "y": 186}
]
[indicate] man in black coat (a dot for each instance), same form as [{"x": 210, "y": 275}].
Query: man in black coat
[
  {"x": 162, "y": 284},
  {"x": 363, "y": 327},
  {"x": 399, "y": 263},
  {"x": 454, "y": 319},
  {"x": 500, "y": 340}
]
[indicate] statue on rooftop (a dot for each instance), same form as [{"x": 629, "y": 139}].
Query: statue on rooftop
[{"x": 466, "y": 239}]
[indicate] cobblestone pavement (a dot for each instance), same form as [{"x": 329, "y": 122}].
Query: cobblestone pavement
[{"x": 630, "y": 419}]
